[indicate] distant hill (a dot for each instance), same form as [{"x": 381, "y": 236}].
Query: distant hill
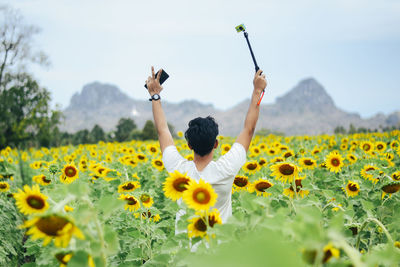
[{"x": 306, "y": 109}]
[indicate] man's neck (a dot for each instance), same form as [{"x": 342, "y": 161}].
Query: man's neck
[{"x": 202, "y": 161}]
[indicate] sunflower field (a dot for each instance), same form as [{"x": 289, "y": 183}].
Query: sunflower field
[{"x": 297, "y": 201}]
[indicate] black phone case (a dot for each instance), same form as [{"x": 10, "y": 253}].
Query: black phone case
[{"x": 163, "y": 78}]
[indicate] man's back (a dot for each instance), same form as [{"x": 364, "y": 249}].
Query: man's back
[{"x": 220, "y": 174}]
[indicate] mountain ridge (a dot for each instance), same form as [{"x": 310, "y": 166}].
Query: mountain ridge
[{"x": 306, "y": 109}]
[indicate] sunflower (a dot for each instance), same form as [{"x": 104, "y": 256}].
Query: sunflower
[
  {"x": 272, "y": 151},
  {"x": 251, "y": 167},
  {"x": 262, "y": 162},
  {"x": 300, "y": 192},
  {"x": 329, "y": 251},
  {"x": 63, "y": 258},
  {"x": 288, "y": 154},
  {"x": 260, "y": 186},
  {"x": 351, "y": 158},
  {"x": 68, "y": 208},
  {"x": 69, "y": 174},
  {"x": 316, "y": 151},
  {"x": 52, "y": 227},
  {"x": 41, "y": 179},
  {"x": 175, "y": 185},
  {"x": 390, "y": 188},
  {"x": 146, "y": 200},
  {"x": 199, "y": 196},
  {"x": 367, "y": 146},
  {"x": 158, "y": 164},
  {"x": 369, "y": 168},
  {"x": 285, "y": 171},
  {"x": 148, "y": 215},
  {"x": 131, "y": 202},
  {"x": 396, "y": 176},
  {"x": 128, "y": 186},
  {"x": 240, "y": 183},
  {"x": 344, "y": 147},
  {"x": 198, "y": 225},
  {"x": 129, "y": 160},
  {"x": 277, "y": 159},
  {"x": 31, "y": 200},
  {"x": 308, "y": 163},
  {"x": 189, "y": 157},
  {"x": 352, "y": 189},
  {"x": 4, "y": 187},
  {"x": 380, "y": 146},
  {"x": 225, "y": 148},
  {"x": 255, "y": 150},
  {"x": 153, "y": 149},
  {"x": 334, "y": 161},
  {"x": 141, "y": 157}
]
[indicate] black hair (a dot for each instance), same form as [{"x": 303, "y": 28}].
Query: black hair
[{"x": 202, "y": 134}]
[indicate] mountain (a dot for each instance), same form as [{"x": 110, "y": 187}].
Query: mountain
[{"x": 306, "y": 109}]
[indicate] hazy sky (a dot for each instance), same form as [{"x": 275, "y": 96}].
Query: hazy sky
[{"x": 352, "y": 47}]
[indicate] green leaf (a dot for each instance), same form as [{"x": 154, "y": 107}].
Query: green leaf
[
  {"x": 79, "y": 259},
  {"x": 111, "y": 239}
]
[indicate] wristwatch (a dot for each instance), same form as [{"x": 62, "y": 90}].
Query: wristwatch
[{"x": 155, "y": 97}]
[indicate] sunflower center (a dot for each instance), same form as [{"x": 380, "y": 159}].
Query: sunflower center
[
  {"x": 158, "y": 163},
  {"x": 131, "y": 200},
  {"x": 145, "y": 198},
  {"x": 70, "y": 171},
  {"x": 366, "y": 147},
  {"x": 352, "y": 187},
  {"x": 227, "y": 148},
  {"x": 286, "y": 169},
  {"x": 251, "y": 166},
  {"x": 262, "y": 162},
  {"x": 35, "y": 202},
  {"x": 201, "y": 196},
  {"x": 3, "y": 186},
  {"x": 370, "y": 169},
  {"x": 308, "y": 162},
  {"x": 379, "y": 146},
  {"x": 392, "y": 188},
  {"x": 272, "y": 151},
  {"x": 335, "y": 162},
  {"x": 288, "y": 154},
  {"x": 240, "y": 181},
  {"x": 262, "y": 186},
  {"x": 396, "y": 177},
  {"x": 51, "y": 225},
  {"x": 45, "y": 180},
  {"x": 141, "y": 157},
  {"x": 211, "y": 220},
  {"x": 180, "y": 184},
  {"x": 200, "y": 225},
  {"x": 153, "y": 149},
  {"x": 128, "y": 186}
]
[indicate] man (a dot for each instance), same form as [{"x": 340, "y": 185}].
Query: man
[{"x": 201, "y": 137}]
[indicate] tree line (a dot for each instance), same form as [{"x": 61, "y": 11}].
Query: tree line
[{"x": 26, "y": 117}]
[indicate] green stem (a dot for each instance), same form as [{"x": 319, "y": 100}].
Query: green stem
[
  {"x": 377, "y": 222},
  {"x": 99, "y": 231}
]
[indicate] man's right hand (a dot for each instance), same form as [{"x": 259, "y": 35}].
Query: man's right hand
[{"x": 259, "y": 82}]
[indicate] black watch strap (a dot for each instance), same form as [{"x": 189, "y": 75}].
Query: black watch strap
[{"x": 155, "y": 97}]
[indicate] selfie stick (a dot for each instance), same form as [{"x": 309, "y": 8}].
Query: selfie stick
[{"x": 242, "y": 28}]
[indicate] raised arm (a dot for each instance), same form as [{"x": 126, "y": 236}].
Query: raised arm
[
  {"x": 154, "y": 87},
  {"x": 250, "y": 122}
]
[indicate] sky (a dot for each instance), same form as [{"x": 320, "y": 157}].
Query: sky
[{"x": 351, "y": 47}]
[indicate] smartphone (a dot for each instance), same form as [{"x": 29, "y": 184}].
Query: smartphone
[{"x": 163, "y": 78}]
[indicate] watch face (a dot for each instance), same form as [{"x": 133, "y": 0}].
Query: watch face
[{"x": 156, "y": 97}]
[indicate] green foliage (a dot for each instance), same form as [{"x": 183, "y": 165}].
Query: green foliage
[
  {"x": 11, "y": 238},
  {"x": 25, "y": 112},
  {"x": 124, "y": 128},
  {"x": 149, "y": 131}
]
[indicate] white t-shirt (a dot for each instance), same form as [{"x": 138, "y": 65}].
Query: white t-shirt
[{"x": 220, "y": 174}]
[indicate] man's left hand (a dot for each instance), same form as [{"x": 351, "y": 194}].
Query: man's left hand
[{"x": 153, "y": 83}]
